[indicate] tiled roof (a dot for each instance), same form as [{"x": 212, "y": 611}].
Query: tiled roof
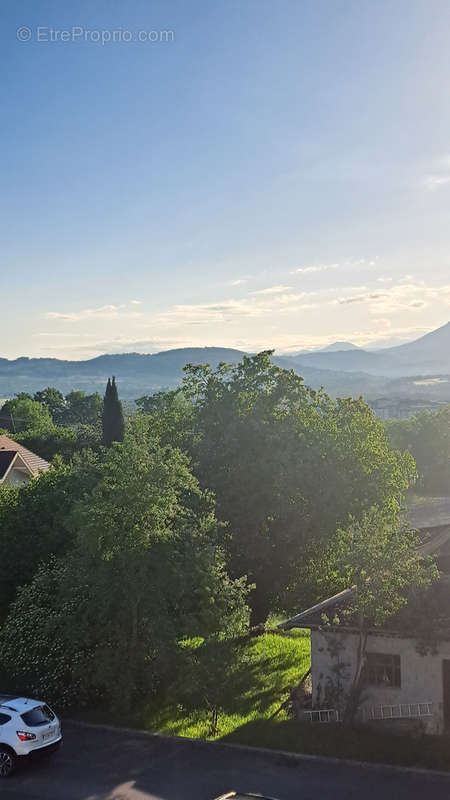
[{"x": 36, "y": 463}]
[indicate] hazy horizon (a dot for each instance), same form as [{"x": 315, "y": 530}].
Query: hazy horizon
[{"x": 375, "y": 347}]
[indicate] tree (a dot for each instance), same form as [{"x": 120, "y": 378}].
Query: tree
[
  {"x": 82, "y": 408},
  {"x": 426, "y": 436},
  {"x": 54, "y": 400},
  {"x": 35, "y": 521},
  {"x": 59, "y": 440},
  {"x": 23, "y": 413},
  {"x": 287, "y": 465},
  {"x": 172, "y": 417},
  {"x": 113, "y": 426},
  {"x": 377, "y": 556},
  {"x": 105, "y": 621}
]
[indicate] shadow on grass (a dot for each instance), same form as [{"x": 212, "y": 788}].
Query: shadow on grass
[
  {"x": 246, "y": 678},
  {"x": 431, "y": 752}
]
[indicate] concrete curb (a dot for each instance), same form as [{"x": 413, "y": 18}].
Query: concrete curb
[{"x": 375, "y": 766}]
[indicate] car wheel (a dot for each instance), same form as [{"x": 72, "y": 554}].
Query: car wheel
[{"x": 7, "y": 762}]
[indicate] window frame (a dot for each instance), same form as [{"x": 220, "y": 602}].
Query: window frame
[{"x": 378, "y": 667}]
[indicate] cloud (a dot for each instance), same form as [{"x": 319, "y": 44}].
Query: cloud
[
  {"x": 439, "y": 175},
  {"x": 348, "y": 264},
  {"x": 136, "y": 302},
  {"x": 400, "y": 297},
  {"x": 317, "y": 268},
  {"x": 361, "y": 298},
  {"x": 435, "y": 181},
  {"x": 273, "y": 290},
  {"x": 237, "y": 282},
  {"x": 103, "y": 312}
]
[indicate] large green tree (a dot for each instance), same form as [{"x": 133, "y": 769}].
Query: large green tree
[
  {"x": 288, "y": 465},
  {"x": 82, "y": 408},
  {"x": 22, "y": 413},
  {"x": 54, "y": 400},
  {"x": 105, "y": 621},
  {"x": 34, "y": 521}
]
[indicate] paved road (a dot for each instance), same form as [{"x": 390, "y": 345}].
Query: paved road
[{"x": 109, "y": 765}]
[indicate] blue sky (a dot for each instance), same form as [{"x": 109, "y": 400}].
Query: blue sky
[{"x": 270, "y": 174}]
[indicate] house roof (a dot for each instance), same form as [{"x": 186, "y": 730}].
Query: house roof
[
  {"x": 429, "y": 512},
  {"x": 312, "y": 617},
  {"x": 33, "y": 461}
]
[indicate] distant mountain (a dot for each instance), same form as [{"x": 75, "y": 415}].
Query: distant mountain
[
  {"x": 403, "y": 369},
  {"x": 136, "y": 373},
  {"x": 330, "y": 348},
  {"x": 428, "y": 355},
  {"x": 338, "y": 347}
]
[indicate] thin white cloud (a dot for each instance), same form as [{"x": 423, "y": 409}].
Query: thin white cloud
[
  {"x": 315, "y": 268},
  {"x": 237, "y": 282},
  {"x": 273, "y": 290},
  {"x": 102, "y": 312},
  {"x": 361, "y": 298},
  {"x": 439, "y": 175},
  {"x": 400, "y": 297}
]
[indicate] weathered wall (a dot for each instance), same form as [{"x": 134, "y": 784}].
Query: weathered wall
[
  {"x": 16, "y": 477},
  {"x": 333, "y": 661}
]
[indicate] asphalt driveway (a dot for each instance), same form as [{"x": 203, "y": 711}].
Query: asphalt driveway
[{"x": 97, "y": 764}]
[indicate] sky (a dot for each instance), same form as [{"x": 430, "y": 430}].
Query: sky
[{"x": 240, "y": 173}]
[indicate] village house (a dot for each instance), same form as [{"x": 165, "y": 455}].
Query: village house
[
  {"x": 17, "y": 464},
  {"x": 406, "y": 685}
]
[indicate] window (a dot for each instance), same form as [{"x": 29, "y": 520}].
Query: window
[
  {"x": 41, "y": 715},
  {"x": 4, "y": 719},
  {"x": 382, "y": 669}
]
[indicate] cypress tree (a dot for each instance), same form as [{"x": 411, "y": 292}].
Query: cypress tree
[{"x": 113, "y": 426}]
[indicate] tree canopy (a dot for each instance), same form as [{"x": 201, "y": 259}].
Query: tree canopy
[
  {"x": 22, "y": 413},
  {"x": 145, "y": 571},
  {"x": 426, "y": 436},
  {"x": 287, "y": 465}
]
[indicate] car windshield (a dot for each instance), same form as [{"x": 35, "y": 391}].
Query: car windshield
[{"x": 40, "y": 715}]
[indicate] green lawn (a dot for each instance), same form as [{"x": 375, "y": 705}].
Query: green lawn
[{"x": 256, "y": 677}]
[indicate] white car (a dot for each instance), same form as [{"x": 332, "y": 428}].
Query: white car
[{"x": 26, "y": 726}]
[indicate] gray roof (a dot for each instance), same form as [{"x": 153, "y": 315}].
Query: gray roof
[
  {"x": 429, "y": 512},
  {"x": 312, "y": 617}
]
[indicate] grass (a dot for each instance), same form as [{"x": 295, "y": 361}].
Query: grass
[
  {"x": 255, "y": 679},
  {"x": 249, "y": 681}
]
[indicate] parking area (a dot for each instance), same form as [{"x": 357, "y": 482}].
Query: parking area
[{"x": 99, "y": 764}]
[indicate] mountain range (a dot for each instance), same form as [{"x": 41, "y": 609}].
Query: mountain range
[
  {"x": 418, "y": 368},
  {"x": 428, "y": 355}
]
